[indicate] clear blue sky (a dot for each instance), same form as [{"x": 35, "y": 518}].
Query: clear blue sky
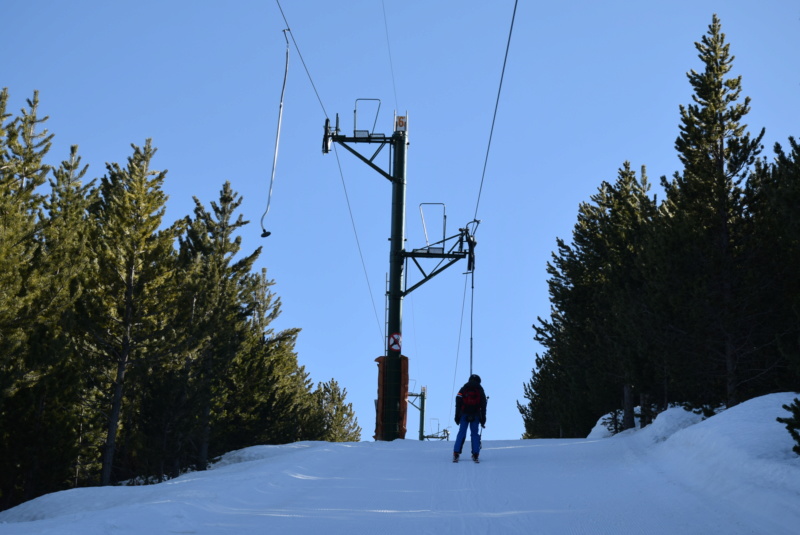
[{"x": 588, "y": 86}]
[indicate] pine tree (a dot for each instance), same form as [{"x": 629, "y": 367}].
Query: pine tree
[
  {"x": 594, "y": 287},
  {"x": 22, "y": 171},
  {"x": 27, "y": 309},
  {"x": 704, "y": 213},
  {"x": 52, "y": 407},
  {"x": 772, "y": 196},
  {"x": 214, "y": 303},
  {"x": 129, "y": 302},
  {"x": 623, "y": 326},
  {"x": 67, "y": 236},
  {"x": 568, "y": 343},
  {"x": 338, "y": 420}
]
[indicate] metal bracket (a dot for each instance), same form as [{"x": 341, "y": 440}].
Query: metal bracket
[
  {"x": 463, "y": 247},
  {"x": 331, "y": 135}
]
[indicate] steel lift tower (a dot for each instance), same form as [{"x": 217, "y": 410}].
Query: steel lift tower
[{"x": 392, "y": 401}]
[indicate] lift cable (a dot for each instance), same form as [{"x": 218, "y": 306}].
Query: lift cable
[
  {"x": 389, "y": 48},
  {"x": 496, "y": 105},
  {"x": 358, "y": 245},
  {"x": 264, "y": 232},
  {"x": 471, "y": 272},
  {"x": 347, "y": 199},
  {"x": 301, "y": 59}
]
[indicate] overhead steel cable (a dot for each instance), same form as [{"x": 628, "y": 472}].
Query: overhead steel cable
[
  {"x": 480, "y": 190},
  {"x": 341, "y": 173},
  {"x": 358, "y": 245},
  {"x": 301, "y": 59},
  {"x": 496, "y": 106},
  {"x": 389, "y": 48}
]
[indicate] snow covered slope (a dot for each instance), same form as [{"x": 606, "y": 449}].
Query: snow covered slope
[{"x": 731, "y": 474}]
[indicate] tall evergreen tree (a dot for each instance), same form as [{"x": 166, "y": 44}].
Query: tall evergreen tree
[
  {"x": 624, "y": 212},
  {"x": 705, "y": 208},
  {"x": 594, "y": 286},
  {"x": 66, "y": 236},
  {"x": 51, "y": 407},
  {"x": 772, "y": 197},
  {"x": 22, "y": 171},
  {"x": 214, "y": 302},
  {"x": 567, "y": 339},
  {"x": 129, "y": 301},
  {"x": 26, "y": 306}
]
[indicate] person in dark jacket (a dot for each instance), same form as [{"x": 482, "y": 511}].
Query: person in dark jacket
[{"x": 470, "y": 411}]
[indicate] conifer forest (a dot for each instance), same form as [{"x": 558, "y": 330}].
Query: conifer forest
[
  {"x": 132, "y": 349},
  {"x": 692, "y": 299}
]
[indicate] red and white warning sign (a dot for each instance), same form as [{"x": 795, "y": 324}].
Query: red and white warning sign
[{"x": 394, "y": 342}]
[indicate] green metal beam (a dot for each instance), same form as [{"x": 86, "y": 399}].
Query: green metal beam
[
  {"x": 392, "y": 388},
  {"x": 362, "y": 158}
]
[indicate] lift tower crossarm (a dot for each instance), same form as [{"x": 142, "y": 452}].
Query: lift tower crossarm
[
  {"x": 332, "y": 135},
  {"x": 429, "y": 276},
  {"x": 455, "y": 254},
  {"x": 343, "y": 140}
]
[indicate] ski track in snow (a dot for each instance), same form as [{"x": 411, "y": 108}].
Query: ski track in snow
[{"x": 729, "y": 475}]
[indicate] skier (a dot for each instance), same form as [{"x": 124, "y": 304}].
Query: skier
[{"x": 470, "y": 411}]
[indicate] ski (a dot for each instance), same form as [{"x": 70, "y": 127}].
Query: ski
[{"x": 476, "y": 461}]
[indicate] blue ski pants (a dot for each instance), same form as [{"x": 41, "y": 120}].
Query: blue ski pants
[{"x": 475, "y": 438}]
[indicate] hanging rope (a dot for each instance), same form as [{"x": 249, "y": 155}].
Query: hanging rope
[
  {"x": 458, "y": 345},
  {"x": 264, "y": 232},
  {"x": 471, "y": 317}
]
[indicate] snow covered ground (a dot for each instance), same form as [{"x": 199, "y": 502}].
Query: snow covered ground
[{"x": 734, "y": 473}]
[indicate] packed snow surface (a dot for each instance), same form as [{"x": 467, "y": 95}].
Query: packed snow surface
[{"x": 733, "y": 473}]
